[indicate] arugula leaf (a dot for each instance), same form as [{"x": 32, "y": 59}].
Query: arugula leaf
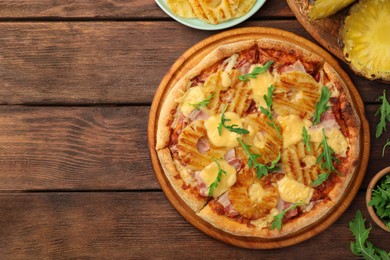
[
  {"x": 362, "y": 247},
  {"x": 328, "y": 158},
  {"x": 380, "y": 199},
  {"x": 322, "y": 104},
  {"x": 384, "y": 111},
  {"x": 384, "y": 147},
  {"x": 306, "y": 139},
  {"x": 217, "y": 179},
  {"x": 267, "y": 111},
  {"x": 261, "y": 169},
  {"x": 232, "y": 128},
  {"x": 204, "y": 102},
  {"x": 278, "y": 219},
  {"x": 256, "y": 71}
]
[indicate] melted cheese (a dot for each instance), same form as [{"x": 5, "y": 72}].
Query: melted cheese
[
  {"x": 293, "y": 191},
  {"x": 226, "y": 81},
  {"x": 193, "y": 95},
  {"x": 256, "y": 192},
  {"x": 292, "y": 129},
  {"x": 335, "y": 139},
  {"x": 227, "y": 138},
  {"x": 265, "y": 221},
  {"x": 259, "y": 86},
  {"x": 210, "y": 173}
]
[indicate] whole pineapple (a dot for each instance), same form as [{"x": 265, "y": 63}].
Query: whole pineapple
[
  {"x": 325, "y": 8},
  {"x": 366, "y": 38}
]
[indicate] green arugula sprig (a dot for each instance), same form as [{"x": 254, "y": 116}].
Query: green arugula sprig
[
  {"x": 261, "y": 169},
  {"x": 328, "y": 158},
  {"x": 204, "y": 102},
  {"x": 384, "y": 147},
  {"x": 380, "y": 200},
  {"x": 232, "y": 128},
  {"x": 256, "y": 71},
  {"x": 217, "y": 179},
  {"x": 278, "y": 219},
  {"x": 306, "y": 139},
  {"x": 384, "y": 111},
  {"x": 322, "y": 104},
  {"x": 267, "y": 111},
  {"x": 362, "y": 247}
]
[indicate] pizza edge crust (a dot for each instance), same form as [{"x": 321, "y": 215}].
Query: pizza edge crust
[
  {"x": 300, "y": 53},
  {"x": 194, "y": 202},
  {"x": 353, "y": 123},
  {"x": 235, "y": 228}
]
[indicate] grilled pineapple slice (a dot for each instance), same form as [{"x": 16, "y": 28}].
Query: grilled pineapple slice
[
  {"x": 366, "y": 38},
  {"x": 262, "y": 138},
  {"x": 188, "y": 143},
  {"x": 325, "y": 8},
  {"x": 227, "y": 89},
  {"x": 253, "y": 198},
  {"x": 181, "y": 8},
  {"x": 295, "y": 93},
  {"x": 214, "y": 11},
  {"x": 300, "y": 165},
  {"x": 243, "y": 7}
]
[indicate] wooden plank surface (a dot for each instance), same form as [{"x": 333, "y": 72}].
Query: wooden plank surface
[
  {"x": 93, "y": 148},
  {"x": 76, "y": 82},
  {"x": 97, "y": 9},
  {"x": 103, "y": 62},
  {"x": 139, "y": 225}
]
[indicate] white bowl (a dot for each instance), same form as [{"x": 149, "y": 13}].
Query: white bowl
[{"x": 199, "y": 24}]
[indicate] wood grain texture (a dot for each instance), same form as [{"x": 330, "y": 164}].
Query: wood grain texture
[
  {"x": 104, "y": 62},
  {"x": 133, "y": 9},
  {"x": 74, "y": 148},
  {"x": 325, "y": 31},
  {"x": 139, "y": 225},
  {"x": 95, "y": 148}
]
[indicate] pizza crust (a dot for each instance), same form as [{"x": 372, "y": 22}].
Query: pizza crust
[
  {"x": 299, "y": 52},
  {"x": 353, "y": 124},
  {"x": 320, "y": 210},
  {"x": 194, "y": 201}
]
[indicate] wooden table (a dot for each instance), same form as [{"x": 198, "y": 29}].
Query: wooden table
[{"x": 76, "y": 82}]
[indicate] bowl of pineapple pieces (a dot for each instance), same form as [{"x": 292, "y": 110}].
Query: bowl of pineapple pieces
[{"x": 210, "y": 14}]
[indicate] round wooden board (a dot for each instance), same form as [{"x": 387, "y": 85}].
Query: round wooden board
[
  {"x": 325, "y": 31},
  {"x": 184, "y": 64}
]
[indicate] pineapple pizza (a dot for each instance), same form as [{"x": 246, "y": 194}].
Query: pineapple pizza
[{"x": 260, "y": 138}]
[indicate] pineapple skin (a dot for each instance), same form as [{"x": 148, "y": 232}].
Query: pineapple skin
[
  {"x": 365, "y": 36},
  {"x": 325, "y": 8}
]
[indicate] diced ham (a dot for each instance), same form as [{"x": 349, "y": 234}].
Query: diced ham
[
  {"x": 198, "y": 115},
  {"x": 236, "y": 163},
  {"x": 228, "y": 207},
  {"x": 203, "y": 145},
  {"x": 291, "y": 213},
  {"x": 282, "y": 205},
  {"x": 231, "y": 159},
  {"x": 244, "y": 66},
  {"x": 297, "y": 66},
  {"x": 328, "y": 121},
  {"x": 203, "y": 190},
  {"x": 231, "y": 154}
]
